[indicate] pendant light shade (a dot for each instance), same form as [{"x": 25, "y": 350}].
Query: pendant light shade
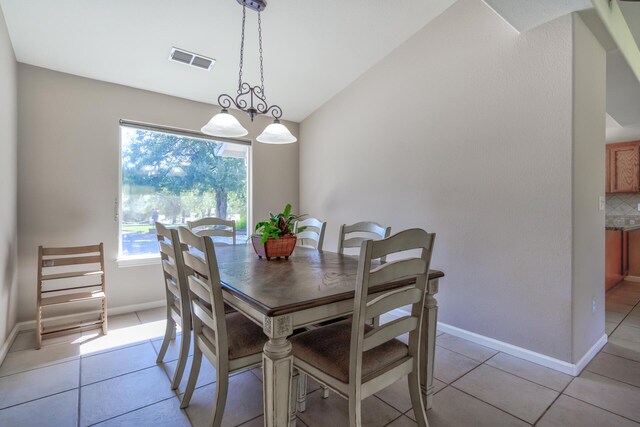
[
  {"x": 276, "y": 133},
  {"x": 224, "y": 124}
]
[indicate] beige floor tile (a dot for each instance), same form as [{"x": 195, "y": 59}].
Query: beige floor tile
[
  {"x": 519, "y": 397},
  {"x": 129, "y": 334},
  {"x": 166, "y": 413},
  {"x": 174, "y": 348},
  {"x": 152, "y": 315},
  {"x": 623, "y": 348},
  {"x": 627, "y": 333},
  {"x": 59, "y": 410},
  {"x": 530, "y": 371},
  {"x": 37, "y": 383},
  {"x": 438, "y": 385},
  {"x": 116, "y": 396},
  {"x": 612, "y": 395},
  {"x": 334, "y": 411},
  {"x": 118, "y": 362},
  {"x": 633, "y": 319},
  {"x": 453, "y": 408},
  {"x": 244, "y": 401},
  {"x": 259, "y": 422},
  {"x": 23, "y": 360},
  {"x": 613, "y": 316},
  {"x": 617, "y": 307},
  {"x": 450, "y": 366},
  {"x": 403, "y": 421},
  {"x": 27, "y": 340},
  {"x": 464, "y": 347},
  {"x": 623, "y": 298},
  {"x": 609, "y": 327},
  {"x": 397, "y": 395},
  {"x": 618, "y": 368},
  {"x": 570, "y": 412},
  {"x": 206, "y": 376}
]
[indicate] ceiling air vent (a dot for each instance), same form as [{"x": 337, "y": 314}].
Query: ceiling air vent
[{"x": 190, "y": 58}]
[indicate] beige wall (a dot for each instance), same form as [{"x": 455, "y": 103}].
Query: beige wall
[
  {"x": 68, "y": 171},
  {"x": 589, "y": 97},
  {"x": 8, "y": 148},
  {"x": 465, "y": 130}
]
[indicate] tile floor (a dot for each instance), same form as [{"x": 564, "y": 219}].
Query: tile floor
[{"x": 88, "y": 379}]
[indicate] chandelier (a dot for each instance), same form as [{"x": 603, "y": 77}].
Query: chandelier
[{"x": 250, "y": 99}]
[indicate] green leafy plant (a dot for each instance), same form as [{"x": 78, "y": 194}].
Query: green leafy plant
[{"x": 278, "y": 225}]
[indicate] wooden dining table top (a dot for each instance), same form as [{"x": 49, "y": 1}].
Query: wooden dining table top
[{"x": 309, "y": 278}]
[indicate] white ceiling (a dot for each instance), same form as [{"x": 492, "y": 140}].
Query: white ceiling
[
  {"x": 312, "y": 49},
  {"x": 524, "y": 15}
]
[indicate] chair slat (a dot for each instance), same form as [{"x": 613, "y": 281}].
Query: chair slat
[
  {"x": 215, "y": 233},
  {"x": 200, "y": 288},
  {"x": 402, "y": 241},
  {"x": 308, "y": 234},
  {"x": 354, "y": 242},
  {"x": 392, "y": 300},
  {"x": 203, "y": 314},
  {"x": 57, "y": 262},
  {"x": 396, "y": 270},
  {"x": 71, "y": 250},
  {"x": 166, "y": 249},
  {"x": 187, "y": 237},
  {"x": 170, "y": 269},
  {"x": 365, "y": 227},
  {"x": 311, "y": 222},
  {"x": 389, "y": 331},
  {"x": 196, "y": 263}
]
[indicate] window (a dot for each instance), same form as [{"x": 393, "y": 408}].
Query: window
[{"x": 174, "y": 176}]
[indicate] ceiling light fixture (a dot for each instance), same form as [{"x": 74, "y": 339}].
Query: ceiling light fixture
[{"x": 250, "y": 99}]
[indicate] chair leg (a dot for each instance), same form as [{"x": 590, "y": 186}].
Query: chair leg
[
  {"x": 168, "y": 332},
  {"x": 185, "y": 341},
  {"x": 294, "y": 397},
  {"x": 103, "y": 316},
  {"x": 355, "y": 412},
  {"x": 301, "y": 404},
  {"x": 416, "y": 399},
  {"x": 325, "y": 392},
  {"x": 38, "y": 328},
  {"x": 220, "y": 398},
  {"x": 193, "y": 376}
]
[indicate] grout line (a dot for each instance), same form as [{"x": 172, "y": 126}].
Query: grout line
[
  {"x": 133, "y": 410},
  {"x": 492, "y": 405},
  {"x": 395, "y": 419},
  {"x": 248, "y": 421},
  {"x": 599, "y": 407},
  {"x": 72, "y": 359},
  {"x": 527, "y": 379},
  {"x": 554, "y": 401},
  {"x": 38, "y": 398}
]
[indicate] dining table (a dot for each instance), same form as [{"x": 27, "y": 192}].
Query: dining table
[{"x": 310, "y": 287}]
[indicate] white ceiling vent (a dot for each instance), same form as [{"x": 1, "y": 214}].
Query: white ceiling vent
[{"x": 190, "y": 58}]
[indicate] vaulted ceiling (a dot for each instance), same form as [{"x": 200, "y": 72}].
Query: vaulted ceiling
[{"x": 312, "y": 49}]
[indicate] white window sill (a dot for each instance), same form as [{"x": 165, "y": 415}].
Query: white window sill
[{"x": 138, "y": 261}]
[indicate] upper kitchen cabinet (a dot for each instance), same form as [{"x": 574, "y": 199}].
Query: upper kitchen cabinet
[{"x": 623, "y": 167}]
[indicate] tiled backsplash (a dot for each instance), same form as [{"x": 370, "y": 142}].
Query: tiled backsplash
[{"x": 622, "y": 210}]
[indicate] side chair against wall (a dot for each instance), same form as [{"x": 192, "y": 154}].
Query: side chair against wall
[
  {"x": 177, "y": 295},
  {"x": 358, "y": 360},
  {"x": 230, "y": 341},
  {"x": 370, "y": 230},
  {"x": 214, "y": 227},
  {"x": 67, "y": 275},
  {"x": 313, "y": 234}
]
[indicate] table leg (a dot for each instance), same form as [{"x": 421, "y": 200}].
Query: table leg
[
  {"x": 427, "y": 355},
  {"x": 277, "y": 365}
]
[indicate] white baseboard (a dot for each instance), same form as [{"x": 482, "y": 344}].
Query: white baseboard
[
  {"x": 632, "y": 278},
  {"x": 116, "y": 311},
  {"x": 6, "y": 345},
  {"x": 523, "y": 353}
]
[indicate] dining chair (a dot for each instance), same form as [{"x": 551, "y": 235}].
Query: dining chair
[
  {"x": 357, "y": 360},
  {"x": 231, "y": 341},
  {"x": 312, "y": 235},
  {"x": 177, "y": 296},
  {"x": 214, "y": 227},
  {"x": 365, "y": 230}
]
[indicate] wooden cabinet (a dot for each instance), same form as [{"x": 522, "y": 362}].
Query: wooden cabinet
[
  {"x": 613, "y": 258},
  {"x": 623, "y": 167}
]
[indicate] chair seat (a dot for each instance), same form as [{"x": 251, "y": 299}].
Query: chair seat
[
  {"x": 327, "y": 348},
  {"x": 243, "y": 336}
]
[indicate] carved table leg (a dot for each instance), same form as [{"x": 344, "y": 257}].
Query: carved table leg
[
  {"x": 427, "y": 355},
  {"x": 277, "y": 365}
]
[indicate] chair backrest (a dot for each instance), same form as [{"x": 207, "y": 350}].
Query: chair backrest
[
  {"x": 367, "y": 230},
  {"x": 414, "y": 295},
  {"x": 203, "y": 278},
  {"x": 175, "y": 280},
  {"x": 312, "y": 236},
  {"x": 70, "y": 262},
  {"x": 214, "y": 227}
]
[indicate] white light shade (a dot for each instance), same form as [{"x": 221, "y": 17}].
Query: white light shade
[
  {"x": 224, "y": 124},
  {"x": 276, "y": 133}
]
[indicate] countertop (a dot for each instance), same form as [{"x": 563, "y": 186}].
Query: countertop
[{"x": 625, "y": 228}]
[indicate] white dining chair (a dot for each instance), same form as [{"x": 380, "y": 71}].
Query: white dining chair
[
  {"x": 214, "y": 227},
  {"x": 365, "y": 230},
  {"x": 312, "y": 234},
  {"x": 177, "y": 299},
  {"x": 230, "y": 341},
  {"x": 358, "y": 360}
]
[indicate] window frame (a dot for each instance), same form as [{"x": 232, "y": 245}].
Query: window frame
[{"x": 150, "y": 259}]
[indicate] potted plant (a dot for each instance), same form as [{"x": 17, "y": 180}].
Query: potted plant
[{"x": 275, "y": 238}]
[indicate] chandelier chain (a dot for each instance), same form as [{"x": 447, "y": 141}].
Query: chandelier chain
[
  {"x": 260, "y": 49},
  {"x": 244, "y": 18}
]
